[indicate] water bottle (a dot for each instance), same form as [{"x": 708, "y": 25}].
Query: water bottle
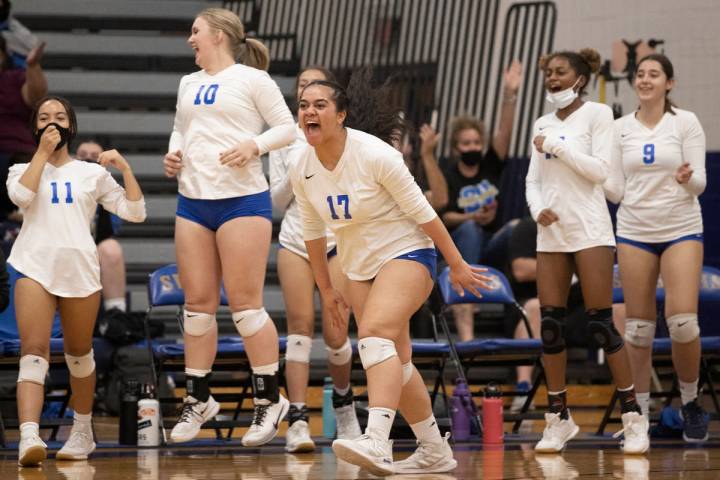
[
  {"x": 128, "y": 413},
  {"x": 461, "y": 411},
  {"x": 148, "y": 418},
  {"x": 328, "y": 412},
  {"x": 492, "y": 415}
]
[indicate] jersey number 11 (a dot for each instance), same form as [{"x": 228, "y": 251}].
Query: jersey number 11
[{"x": 68, "y": 192}]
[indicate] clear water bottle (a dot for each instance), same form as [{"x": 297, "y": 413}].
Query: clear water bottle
[{"x": 328, "y": 412}]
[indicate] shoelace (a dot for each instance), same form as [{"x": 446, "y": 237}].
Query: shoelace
[
  {"x": 633, "y": 429},
  {"x": 188, "y": 410},
  {"x": 259, "y": 415}
]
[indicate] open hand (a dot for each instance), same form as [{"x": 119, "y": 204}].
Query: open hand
[
  {"x": 468, "y": 277},
  {"x": 240, "y": 154}
]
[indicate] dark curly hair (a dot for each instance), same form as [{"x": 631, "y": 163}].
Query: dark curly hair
[
  {"x": 369, "y": 109},
  {"x": 584, "y": 62}
]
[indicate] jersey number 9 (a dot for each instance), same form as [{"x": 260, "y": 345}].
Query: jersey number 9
[{"x": 649, "y": 153}]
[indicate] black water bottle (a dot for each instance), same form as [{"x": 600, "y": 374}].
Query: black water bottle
[{"x": 129, "y": 412}]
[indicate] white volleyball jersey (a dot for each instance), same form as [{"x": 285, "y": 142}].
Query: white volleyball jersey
[
  {"x": 568, "y": 179},
  {"x": 216, "y": 112},
  {"x": 55, "y": 246},
  {"x": 369, "y": 200},
  {"x": 283, "y": 199},
  {"x": 654, "y": 207}
]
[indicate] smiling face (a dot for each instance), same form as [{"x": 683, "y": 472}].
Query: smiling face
[
  {"x": 204, "y": 40},
  {"x": 318, "y": 115},
  {"x": 651, "y": 82},
  {"x": 559, "y": 75}
]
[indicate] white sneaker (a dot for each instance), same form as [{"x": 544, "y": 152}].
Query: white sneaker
[
  {"x": 31, "y": 451},
  {"x": 557, "y": 433},
  {"x": 265, "y": 422},
  {"x": 635, "y": 430},
  {"x": 192, "y": 417},
  {"x": 297, "y": 438},
  {"x": 368, "y": 451},
  {"x": 78, "y": 446},
  {"x": 554, "y": 467},
  {"x": 429, "y": 458},
  {"x": 346, "y": 422}
]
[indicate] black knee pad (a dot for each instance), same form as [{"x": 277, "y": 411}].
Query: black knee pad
[
  {"x": 600, "y": 326},
  {"x": 552, "y": 329}
]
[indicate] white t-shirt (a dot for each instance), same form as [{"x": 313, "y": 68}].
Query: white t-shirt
[
  {"x": 568, "y": 179},
  {"x": 654, "y": 207},
  {"x": 291, "y": 230},
  {"x": 215, "y": 113},
  {"x": 55, "y": 246},
  {"x": 369, "y": 200}
]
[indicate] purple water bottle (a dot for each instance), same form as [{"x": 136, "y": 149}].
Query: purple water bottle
[{"x": 461, "y": 410}]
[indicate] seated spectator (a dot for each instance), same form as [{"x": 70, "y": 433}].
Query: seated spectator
[
  {"x": 106, "y": 226},
  {"x": 425, "y": 169},
  {"x": 522, "y": 273},
  {"x": 473, "y": 197}
]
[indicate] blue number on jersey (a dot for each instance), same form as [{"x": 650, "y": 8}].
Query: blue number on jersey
[
  {"x": 341, "y": 199},
  {"x": 68, "y": 192},
  {"x": 649, "y": 153},
  {"x": 209, "y": 97}
]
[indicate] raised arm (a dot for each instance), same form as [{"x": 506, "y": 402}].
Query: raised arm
[{"x": 503, "y": 135}]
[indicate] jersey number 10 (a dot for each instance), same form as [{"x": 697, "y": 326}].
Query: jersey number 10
[
  {"x": 209, "y": 97},
  {"x": 341, "y": 200},
  {"x": 649, "y": 153},
  {"x": 68, "y": 192}
]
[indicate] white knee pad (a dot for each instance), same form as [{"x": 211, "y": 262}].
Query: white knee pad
[
  {"x": 340, "y": 356},
  {"x": 683, "y": 327},
  {"x": 249, "y": 322},
  {"x": 298, "y": 348},
  {"x": 374, "y": 350},
  {"x": 82, "y": 366},
  {"x": 33, "y": 368},
  {"x": 197, "y": 324},
  {"x": 408, "y": 369},
  {"x": 639, "y": 332}
]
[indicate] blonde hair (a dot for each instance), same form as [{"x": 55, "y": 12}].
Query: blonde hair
[
  {"x": 248, "y": 51},
  {"x": 465, "y": 122}
]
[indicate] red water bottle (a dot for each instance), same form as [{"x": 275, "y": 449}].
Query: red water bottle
[{"x": 492, "y": 415}]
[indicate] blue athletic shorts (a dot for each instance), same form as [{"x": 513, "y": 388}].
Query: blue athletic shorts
[
  {"x": 659, "y": 248},
  {"x": 424, "y": 256},
  {"x": 211, "y": 214}
]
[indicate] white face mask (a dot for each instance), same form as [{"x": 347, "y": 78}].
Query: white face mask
[{"x": 560, "y": 100}]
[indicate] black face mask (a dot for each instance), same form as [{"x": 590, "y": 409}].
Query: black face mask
[
  {"x": 65, "y": 136},
  {"x": 471, "y": 158}
]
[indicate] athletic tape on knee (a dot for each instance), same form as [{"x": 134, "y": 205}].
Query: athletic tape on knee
[
  {"x": 602, "y": 329},
  {"x": 82, "y": 366},
  {"x": 639, "y": 332},
  {"x": 298, "y": 348},
  {"x": 552, "y": 329},
  {"x": 33, "y": 368},
  {"x": 340, "y": 356},
  {"x": 683, "y": 327},
  {"x": 408, "y": 369},
  {"x": 197, "y": 324},
  {"x": 249, "y": 322},
  {"x": 374, "y": 350}
]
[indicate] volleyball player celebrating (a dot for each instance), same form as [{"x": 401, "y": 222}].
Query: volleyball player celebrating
[
  {"x": 570, "y": 162},
  {"x": 223, "y": 224},
  {"x": 298, "y": 288},
  {"x": 56, "y": 256},
  {"x": 358, "y": 185},
  {"x": 658, "y": 173}
]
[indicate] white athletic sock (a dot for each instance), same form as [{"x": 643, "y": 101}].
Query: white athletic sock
[
  {"x": 427, "y": 430},
  {"x": 298, "y": 405},
  {"x": 380, "y": 421},
  {"x": 118, "y": 303},
  {"x": 82, "y": 422},
  {"x": 688, "y": 391},
  {"x": 342, "y": 391},
  {"x": 29, "y": 428},
  {"x": 269, "y": 369},
  {"x": 643, "y": 400}
]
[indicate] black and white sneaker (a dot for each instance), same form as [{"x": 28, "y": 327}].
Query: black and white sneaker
[
  {"x": 194, "y": 413},
  {"x": 265, "y": 422}
]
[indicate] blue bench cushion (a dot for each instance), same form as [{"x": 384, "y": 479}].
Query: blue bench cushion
[
  {"x": 663, "y": 346},
  {"x": 227, "y": 347},
  {"x": 12, "y": 347},
  {"x": 496, "y": 346}
]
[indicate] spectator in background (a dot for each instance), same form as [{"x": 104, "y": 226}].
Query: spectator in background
[
  {"x": 472, "y": 178},
  {"x": 426, "y": 171},
  {"x": 106, "y": 226},
  {"x": 4, "y": 284},
  {"x": 19, "y": 91},
  {"x": 20, "y": 41}
]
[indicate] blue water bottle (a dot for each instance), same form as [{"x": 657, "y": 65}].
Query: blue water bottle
[{"x": 328, "y": 412}]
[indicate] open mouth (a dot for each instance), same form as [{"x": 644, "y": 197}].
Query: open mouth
[
  {"x": 312, "y": 126},
  {"x": 555, "y": 88}
]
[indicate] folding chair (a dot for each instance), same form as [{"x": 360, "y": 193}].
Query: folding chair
[
  {"x": 164, "y": 289},
  {"x": 498, "y": 351},
  {"x": 662, "y": 346}
]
